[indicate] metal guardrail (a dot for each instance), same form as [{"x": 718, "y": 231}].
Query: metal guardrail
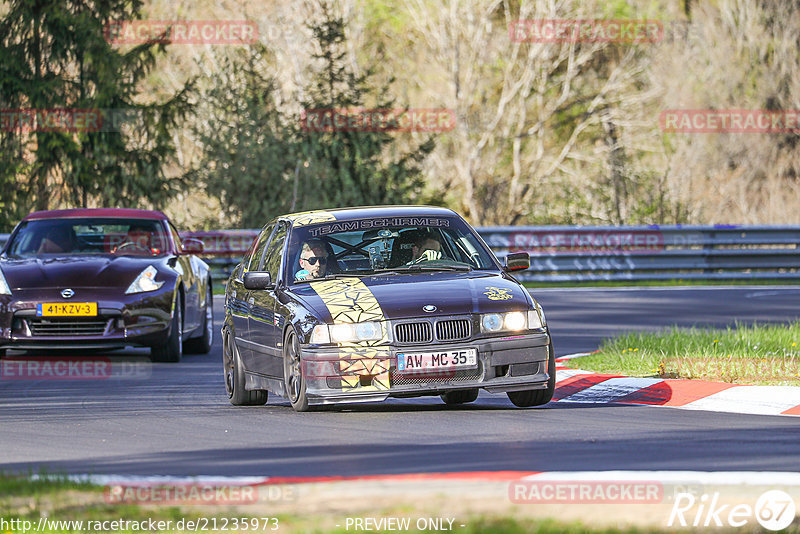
[
  {"x": 721, "y": 252},
  {"x": 577, "y": 253}
]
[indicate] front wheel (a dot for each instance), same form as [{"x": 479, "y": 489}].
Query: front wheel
[
  {"x": 293, "y": 375},
  {"x": 234, "y": 376},
  {"x": 537, "y": 397},
  {"x": 172, "y": 350}
]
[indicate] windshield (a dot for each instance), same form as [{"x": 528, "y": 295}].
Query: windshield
[
  {"x": 367, "y": 246},
  {"x": 138, "y": 237}
]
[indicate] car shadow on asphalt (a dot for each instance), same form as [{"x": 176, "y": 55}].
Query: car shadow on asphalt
[{"x": 432, "y": 405}]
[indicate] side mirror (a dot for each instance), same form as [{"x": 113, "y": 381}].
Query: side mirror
[
  {"x": 257, "y": 280},
  {"x": 192, "y": 245},
  {"x": 517, "y": 261}
]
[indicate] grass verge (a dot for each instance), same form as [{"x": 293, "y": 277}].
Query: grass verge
[
  {"x": 23, "y": 502},
  {"x": 766, "y": 354}
]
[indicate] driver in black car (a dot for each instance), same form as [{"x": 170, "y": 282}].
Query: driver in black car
[{"x": 313, "y": 260}]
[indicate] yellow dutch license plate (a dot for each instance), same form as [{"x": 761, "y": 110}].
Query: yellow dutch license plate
[{"x": 66, "y": 309}]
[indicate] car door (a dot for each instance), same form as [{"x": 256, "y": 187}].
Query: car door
[
  {"x": 264, "y": 323},
  {"x": 241, "y": 298}
]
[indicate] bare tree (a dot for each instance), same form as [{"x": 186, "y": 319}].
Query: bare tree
[
  {"x": 528, "y": 112},
  {"x": 734, "y": 54}
]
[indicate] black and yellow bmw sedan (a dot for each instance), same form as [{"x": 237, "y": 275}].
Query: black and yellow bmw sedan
[{"x": 362, "y": 304}]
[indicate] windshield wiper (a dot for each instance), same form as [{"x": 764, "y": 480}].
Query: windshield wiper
[
  {"x": 337, "y": 276},
  {"x": 426, "y": 268}
]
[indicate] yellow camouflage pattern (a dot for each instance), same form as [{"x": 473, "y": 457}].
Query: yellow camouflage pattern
[
  {"x": 498, "y": 293},
  {"x": 350, "y": 301},
  {"x": 310, "y": 217}
]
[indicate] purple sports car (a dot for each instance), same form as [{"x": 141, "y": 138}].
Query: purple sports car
[{"x": 104, "y": 279}]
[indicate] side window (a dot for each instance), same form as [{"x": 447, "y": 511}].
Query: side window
[
  {"x": 261, "y": 244},
  {"x": 275, "y": 252}
]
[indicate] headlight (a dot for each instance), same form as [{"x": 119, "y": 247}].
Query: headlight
[
  {"x": 509, "y": 322},
  {"x": 534, "y": 319},
  {"x": 515, "y": 321},
  {"x": 146, "y": 281},
  {"x": 346, "y": 333},
  {"x": 500, "y": 322},
  {"x": 4, "y": 289},
  {"x": 541, "y": 313},
  {"x": 492, "y": 322},
  {"x": 320, "y": 335}
]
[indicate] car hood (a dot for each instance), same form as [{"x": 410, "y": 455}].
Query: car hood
[
  {"x": 73, "y": 271},
  {"x": 404, "y": 295}
]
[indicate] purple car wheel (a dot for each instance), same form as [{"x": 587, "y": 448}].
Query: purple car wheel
[{"x": 172, "y": 350}]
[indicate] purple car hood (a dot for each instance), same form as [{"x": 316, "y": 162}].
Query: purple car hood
[{"x": 73, "y": 271}]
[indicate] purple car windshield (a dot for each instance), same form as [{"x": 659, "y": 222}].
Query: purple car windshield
[{"x": 135, "y": 237}]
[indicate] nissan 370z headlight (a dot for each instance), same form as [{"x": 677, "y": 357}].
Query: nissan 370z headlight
[
  {"x": 346, "y": 333},
  {"x": 146, "y": 281}
]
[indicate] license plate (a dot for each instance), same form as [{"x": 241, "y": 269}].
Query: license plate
[
  {"x": 416, "y": 362},
  {"x": 66, "y": 309}
]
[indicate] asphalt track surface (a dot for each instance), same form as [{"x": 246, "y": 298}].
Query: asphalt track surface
[{"x": 178, "y": 421}]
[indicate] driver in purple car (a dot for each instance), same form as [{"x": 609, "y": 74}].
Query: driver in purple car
[{"x": 136, "y": 241}]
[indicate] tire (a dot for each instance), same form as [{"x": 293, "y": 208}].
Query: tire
[
  {"x": 172, "y": 350},
  {"x": 202, "y": 344},
  {"x": 461, "y": 396},
  {"x": 537, "y": 397},
  {"x": 293, "y": 374},
  {"x": 234, "y": 376}
]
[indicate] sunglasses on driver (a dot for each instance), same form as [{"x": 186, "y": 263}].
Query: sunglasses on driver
[{"x": 314, "y": 259}]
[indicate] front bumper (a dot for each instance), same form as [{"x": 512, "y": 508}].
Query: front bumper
[
  {"x": 513, "y": 363},
  {"x": 139, "y": 320}
]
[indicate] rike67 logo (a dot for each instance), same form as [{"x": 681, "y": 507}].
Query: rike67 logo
[{"x": 774, "y": 510}]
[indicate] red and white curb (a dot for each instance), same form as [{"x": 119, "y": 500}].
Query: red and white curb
[{"x": 576, "y": 385}]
